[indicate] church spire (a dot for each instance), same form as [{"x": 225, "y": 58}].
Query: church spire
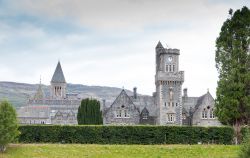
[
  {"x": 39, "y": 93},
  {"x": 58, "y": 76}
]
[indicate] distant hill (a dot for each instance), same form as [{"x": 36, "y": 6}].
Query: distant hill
[{"x": 19, "y": 93}]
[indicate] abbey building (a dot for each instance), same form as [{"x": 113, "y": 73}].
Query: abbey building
[
  {"x": 169, "y": 105},
  {"x": 57, "y": 108}
]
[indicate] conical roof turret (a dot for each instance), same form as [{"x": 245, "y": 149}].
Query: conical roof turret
[
  {"x": 58, "y": 76},
  {"x": 159, "y": 45}
]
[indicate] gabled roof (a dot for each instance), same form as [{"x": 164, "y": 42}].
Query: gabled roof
[
  {"x": 159, "y": 45},
  {"x": 123, "y": 93},
  {"x": 201, "y": 100},
  {"x": 145, "y": 110},
  {"x": 58, "y": 76}
]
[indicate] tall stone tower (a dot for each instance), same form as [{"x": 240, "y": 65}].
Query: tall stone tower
[
  {"x": 58, "y": 83},
  {"x": 168, "y": 82}
]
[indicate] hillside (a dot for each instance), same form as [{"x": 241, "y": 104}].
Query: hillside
[{"x": 19, "y": 93}]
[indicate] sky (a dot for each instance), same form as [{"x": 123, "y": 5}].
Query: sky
[{"x": 111, "y": 42}]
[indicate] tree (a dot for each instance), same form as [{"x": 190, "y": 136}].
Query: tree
[
  {"x": 233, "y": 64},
  {"x": 89, "y": 112},
  {"x": 8, "y": 124}
]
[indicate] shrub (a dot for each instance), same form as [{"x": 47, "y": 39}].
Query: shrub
[
  {"x": 124, "y": 134},
  {"x": 245, "y": 146},
  {"x": 8, "y": 124}
]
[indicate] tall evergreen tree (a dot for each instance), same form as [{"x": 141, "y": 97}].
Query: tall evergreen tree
[
  {"x": 233, "y": 64},
  {"x": 89, "y": 112},
  {"x": 8, "y": 124}
]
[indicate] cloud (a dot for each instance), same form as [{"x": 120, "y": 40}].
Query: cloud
[
  {"x": 110, "y": 42},
  {"x": 124, "y": 14}
]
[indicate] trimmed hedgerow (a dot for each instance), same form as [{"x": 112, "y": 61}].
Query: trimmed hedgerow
[{"x": 125, "y": 134}]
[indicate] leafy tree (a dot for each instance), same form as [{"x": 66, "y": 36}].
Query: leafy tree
[
  {"x": 233, "y": 64},
  {"x": 8, "y": 124},
  {"x": 89, "y": 112}
]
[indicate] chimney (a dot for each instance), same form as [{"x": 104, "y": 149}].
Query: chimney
[
  {"x": 185, "y": 92},
  {"x": 135, "y": 93}
]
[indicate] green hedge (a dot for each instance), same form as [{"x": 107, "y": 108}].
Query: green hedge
[{"x": 124, "y": 134}]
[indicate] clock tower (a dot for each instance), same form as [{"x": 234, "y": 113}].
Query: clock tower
[{"x": 168, "y": 82}]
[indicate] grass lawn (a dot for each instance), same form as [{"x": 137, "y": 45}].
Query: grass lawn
[{"x": 119, "y": 151}]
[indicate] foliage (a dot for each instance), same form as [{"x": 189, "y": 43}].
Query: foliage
[
  {"x": 121, "y": 151},
  {"x": 233, "y": 64},
  {"x": 8, "y": 124},
  {"x": 89, "y": 112},
  {"x": 245, "y": 146},
  {"x": 125, "y": 134}
]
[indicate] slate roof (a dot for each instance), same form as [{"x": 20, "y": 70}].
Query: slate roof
[
  {"x": 58, "y": 76},
  {"x": 141, "y": 102},
  {"x": 159, "y": 45},
  {"x": 123, "y": 93},
  {"x": 41, "y": 111},
  {"x": 193, "y": 103}
]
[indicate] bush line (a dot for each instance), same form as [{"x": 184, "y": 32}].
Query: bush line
[{"x": 125, "y": 134}]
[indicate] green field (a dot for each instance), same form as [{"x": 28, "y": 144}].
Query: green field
[{"x": 119, "y": 151}]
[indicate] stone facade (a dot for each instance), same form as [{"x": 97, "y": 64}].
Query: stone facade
[
  {"x": 122, "y": 111},
  {"x": 58, "y": 108},
  {"x": 168, "y": 82},
  {"x": 167, "y": 106}
]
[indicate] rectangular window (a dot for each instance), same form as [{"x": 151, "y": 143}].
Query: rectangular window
[
  {"x": 168, "y": 103},
  {"x": 171, "y": 118},
  {"x": 172, "y": 104},
  {"x": 166, "y": 68},
  {"x": 170, "y": 68},
  {"x": 173, "y": 68}
]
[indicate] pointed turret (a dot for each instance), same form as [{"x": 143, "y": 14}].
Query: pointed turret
[
  {"x": 39, "y": 93},
  {"x": 58, "y": 83},
  {"x": 159, "y": 45},
  {"x": 58, "y": 76}
]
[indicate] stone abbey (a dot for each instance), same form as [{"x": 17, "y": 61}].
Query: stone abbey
[{"x": 167, "y": 106}]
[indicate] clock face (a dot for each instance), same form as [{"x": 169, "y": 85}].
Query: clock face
[{"x": 170, "y": 59}]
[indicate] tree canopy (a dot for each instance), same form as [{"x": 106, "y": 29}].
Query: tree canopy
[
  {"x": 89, "y": 112},
  {"x": 8, "y": 124},
  {"x": 233, "y": 64}
]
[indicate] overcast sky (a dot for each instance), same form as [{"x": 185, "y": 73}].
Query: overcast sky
[{"x": 110, "y": 42}]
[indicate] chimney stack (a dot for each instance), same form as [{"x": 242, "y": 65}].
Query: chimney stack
[
  {"x": 135, "y": 93},
  {"x": 185, "y": 92}
]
